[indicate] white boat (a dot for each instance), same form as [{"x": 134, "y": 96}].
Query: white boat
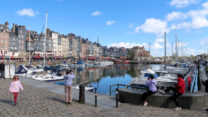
[
  {"x": 162, "y": 79},
  {"x": 46, "y": 77},
  {"x": 89, "y": 64},
  {"x": 22, "y": 70},
  {"x": 86, "y": 88},
  {"x": 66, "y": 66},
  {"x": 106, "y": 63}
]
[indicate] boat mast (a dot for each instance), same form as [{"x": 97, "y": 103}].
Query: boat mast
[
  {"x": 165, "y": 48},
  {"x": 176, "y": 47},
  {"x": 45, "y": 40},
  {"x": 29, "y": 47}
]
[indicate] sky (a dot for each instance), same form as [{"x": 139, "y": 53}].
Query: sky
[{"x": 119, "y": 23}]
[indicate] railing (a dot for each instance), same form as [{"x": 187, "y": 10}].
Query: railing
[
  {"x": 126, "y": 86},
  {"x": 193, "y": 73}
]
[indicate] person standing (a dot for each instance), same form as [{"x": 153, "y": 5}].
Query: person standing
[
  {"x": 205, "y": 83},
  {"x": 152, "y": 89},
  {"x": 14, "y": 88},
  {"x": 68, "y": 81},
  {"x": 189, "y": 83}
]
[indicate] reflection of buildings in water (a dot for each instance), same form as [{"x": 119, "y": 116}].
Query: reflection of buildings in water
[{"x": 114, "y": 71}]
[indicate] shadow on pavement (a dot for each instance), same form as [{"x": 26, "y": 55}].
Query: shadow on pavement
[
  {"x": 6, "y": 101},
  {"x": 57, "y": 99}
]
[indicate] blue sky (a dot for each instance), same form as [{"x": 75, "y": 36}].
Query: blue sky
[{"x": 118, "y": 22}]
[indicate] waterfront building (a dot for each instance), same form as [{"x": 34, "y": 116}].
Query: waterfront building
[
  {"x": 105, "y": 51},
  {"x": 55, "y": 40},
  {"x": 4, "y": 39},
  {"x": 141, "y": 55},
  {"x": 79, "y": 46},
  {"x": 73, "y": 46},
  {"x": 30, "y": 41},
  {"x": 64, "y": 46},
  {"x": 39, "y": 46},
  {"x": 18, "y": 40},
  {"x": 96, "y": 50},
  {"x": 91, "y": 49},
  {"x": 70, "y": 36},
  {"x": 85, "y": 48}
]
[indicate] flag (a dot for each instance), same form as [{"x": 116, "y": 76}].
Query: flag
[{"x": 12, "y": 56}]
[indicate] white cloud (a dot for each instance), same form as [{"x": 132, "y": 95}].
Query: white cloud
[
  {"x": 196, "y": 18},
  {"x": 27, "y": 12},
  {"x": 159, "y": 40},
  {"x": 126, "y": 45},
  {"x": 195, "y": 23},
  {"x": 176, "y": 15},
  {"x": 182, "y": 3},
  {"x": 96, "y": 13},
  {"x": 109, "y": 23},
  {"x": 191, "y": 51},
  {"x": 204, "y": 42},
  {"x": 152, "y": 25}
]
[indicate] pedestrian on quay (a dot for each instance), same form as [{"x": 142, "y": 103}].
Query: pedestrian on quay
[
  {"x": 178, "y": 90},
  {"x": 189, "y": 83},
  {"x": 68, "y": 81},
  {"x": 205, "y": 83},
  {"x": 14, "y": 88},
  {"x": 152, "y": 89}
]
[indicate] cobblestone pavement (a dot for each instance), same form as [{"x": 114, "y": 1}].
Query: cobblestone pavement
[{"x": 36, "y": 102}]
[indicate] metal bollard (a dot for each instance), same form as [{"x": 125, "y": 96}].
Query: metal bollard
[
  {"x": 81, "y": 93},
  {"x": 110, "y": 90},
  {"x": 116, "y": 97},
  {"x": 95, "y": 97}
]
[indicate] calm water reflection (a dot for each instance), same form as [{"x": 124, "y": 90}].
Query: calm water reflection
[{"x": 103, "y": 77}]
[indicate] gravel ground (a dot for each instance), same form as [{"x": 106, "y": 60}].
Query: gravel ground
[{"x": 36, "y": 102}]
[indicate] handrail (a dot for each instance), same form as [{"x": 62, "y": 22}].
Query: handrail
[
  {"x": 196, "y": 82},
  {"x": 127, "y": 86}
]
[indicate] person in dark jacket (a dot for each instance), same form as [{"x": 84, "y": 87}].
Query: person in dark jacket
[{"x": 205, "y": 83}]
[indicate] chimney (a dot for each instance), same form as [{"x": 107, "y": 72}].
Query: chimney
[
  {"x": 13, "y": 28},
  {"x": 41, "y": 34},
  {"x": 48, "y": 32},
  {"x": 7, "y": 24}
]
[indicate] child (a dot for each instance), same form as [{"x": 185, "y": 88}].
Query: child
[{"x": 14, "y": 88}]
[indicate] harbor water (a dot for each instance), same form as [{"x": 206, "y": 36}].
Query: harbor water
[{"x": 103, "y": 77}]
